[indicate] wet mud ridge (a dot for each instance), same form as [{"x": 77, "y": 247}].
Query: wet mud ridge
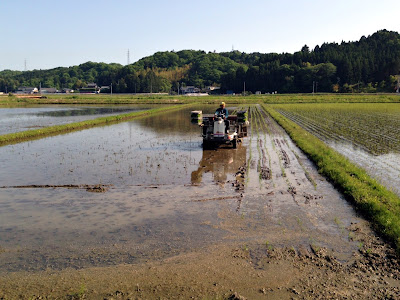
[
  {"x": 93, "y": 188},
  {"x": 265, "y": 171},
  {"x": 240, "y": 176}
]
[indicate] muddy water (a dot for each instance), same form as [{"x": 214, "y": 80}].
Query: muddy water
[
  {"x": 15, "y": 119},
  {"x": 165, "y": 196}
]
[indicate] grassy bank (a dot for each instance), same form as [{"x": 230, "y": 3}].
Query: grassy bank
[
  {"x": 380, "y": 206},
  {"x": 17, "y": 137},
  {"x": 233, "y": 99}
]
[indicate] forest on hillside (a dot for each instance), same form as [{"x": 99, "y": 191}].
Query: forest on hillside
[{"x": 368, "y": 65}]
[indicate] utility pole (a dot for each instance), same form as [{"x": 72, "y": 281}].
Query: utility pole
[
  {"x": 129, "y": 61},
  {"x": 111, "y": 88},
  {"x": 25, "y": 69},
  {"x": 244, "y": 88},
  {"x": 313, "y": 83}
]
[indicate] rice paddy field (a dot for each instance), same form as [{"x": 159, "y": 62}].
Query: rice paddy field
[
  {"x": 137, "y": 209},
  {"x": 367, "y": 134}
]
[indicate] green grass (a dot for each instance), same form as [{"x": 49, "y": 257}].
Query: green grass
[
  {"x": 27, "y": 135},
  {"x": 379, "y": 205},
  {"x": 162, "y": 99}
]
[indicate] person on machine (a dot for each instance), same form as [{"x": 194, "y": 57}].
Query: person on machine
[{"x": 223, "y": 113}]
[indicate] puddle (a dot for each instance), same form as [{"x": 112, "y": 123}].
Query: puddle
[{"x": 165, "y": 196}]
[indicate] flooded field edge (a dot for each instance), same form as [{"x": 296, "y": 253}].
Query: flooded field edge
[
  {"x": 180, "y": 222},
  {"x": 70, "y": 127}
]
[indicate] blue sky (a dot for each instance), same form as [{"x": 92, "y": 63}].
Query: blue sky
[{"x": 48, "y": 34}]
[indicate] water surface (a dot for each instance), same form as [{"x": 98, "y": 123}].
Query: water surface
[
  {"x": 15, "y": 119},
  {"x": 165, "y": 195}
]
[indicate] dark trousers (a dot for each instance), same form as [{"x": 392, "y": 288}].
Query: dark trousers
[{"x": 226, "y": 126}]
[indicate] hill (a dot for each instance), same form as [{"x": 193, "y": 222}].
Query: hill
[{"x": 367, "y": 65}]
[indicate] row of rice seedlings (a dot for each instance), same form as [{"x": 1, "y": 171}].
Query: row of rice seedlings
[
  {"x": 257, "y": 129},
  {"x": 265, "y": 130},
  {"x": 380, "y": 206},
  {"x": 325, "y": 132},
  {"x": 306, "y": 173},
  {"x": 320, "y": 130},
  {"x": 376, "y": 132},
  {"x": 278, "y": 152},
  {"x": 252, "y": 126},
  {"x": 271, "y": 138}
]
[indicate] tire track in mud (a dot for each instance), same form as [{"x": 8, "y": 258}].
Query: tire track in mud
[
  {"x": 271, "y": 142},
  {"x": 282, "y": 201}
]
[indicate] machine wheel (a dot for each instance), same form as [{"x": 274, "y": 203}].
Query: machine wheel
[
  {"x": 207, "y": 145},
  {"x": 234, "y": 144}
]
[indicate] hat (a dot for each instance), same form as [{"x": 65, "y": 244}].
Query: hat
[{"x": 222, "y": 103}]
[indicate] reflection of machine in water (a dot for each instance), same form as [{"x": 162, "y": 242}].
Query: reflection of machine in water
[{"x": 222, "y": 163}]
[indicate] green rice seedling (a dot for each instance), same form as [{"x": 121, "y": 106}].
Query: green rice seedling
[{"x": 380, "y": 206}]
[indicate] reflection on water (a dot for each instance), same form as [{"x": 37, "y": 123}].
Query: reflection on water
[
  {"x": 86, "y": 111},
  {"x": 167, "y": 196},
  {"x": 147, "y": 211},
  {"x": 221, "y": 164},
  {"x": 25, "y": 118},
  {"x": 384, "y": 168}
]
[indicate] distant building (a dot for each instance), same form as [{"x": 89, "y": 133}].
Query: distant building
[
  {"x": 105, "y": 89},
  {"x": 26, "y": 90},
  {"x": 67, "y": 91},
  {"x": 48, "y": 90},
  {"x": 211, "y": 89},
  {"x": 91, "y": 88},
  {"x": 189, "y": 90}
]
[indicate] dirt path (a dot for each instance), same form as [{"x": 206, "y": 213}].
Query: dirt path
[{"x": 257, "y": 222}]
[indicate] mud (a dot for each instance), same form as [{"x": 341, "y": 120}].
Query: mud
[
  {"x": 254, "y": 271},
  {"x": 96, "y": 188},
  {"x": 178, "y": 222}
]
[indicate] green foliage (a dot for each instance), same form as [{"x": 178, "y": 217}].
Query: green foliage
[{"x": 367, "y": 65}]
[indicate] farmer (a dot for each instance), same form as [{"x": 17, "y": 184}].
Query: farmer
[{"x": 223, "y": 112}]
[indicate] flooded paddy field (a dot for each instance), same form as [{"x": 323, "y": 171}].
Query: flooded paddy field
[
  {"x": 15, "y": 119},
  {"x": 367, "y": 134},
  {"x": 144, "y": 194}
]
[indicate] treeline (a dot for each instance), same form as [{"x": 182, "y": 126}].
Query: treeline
[{"x": 367, "y": 65}]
